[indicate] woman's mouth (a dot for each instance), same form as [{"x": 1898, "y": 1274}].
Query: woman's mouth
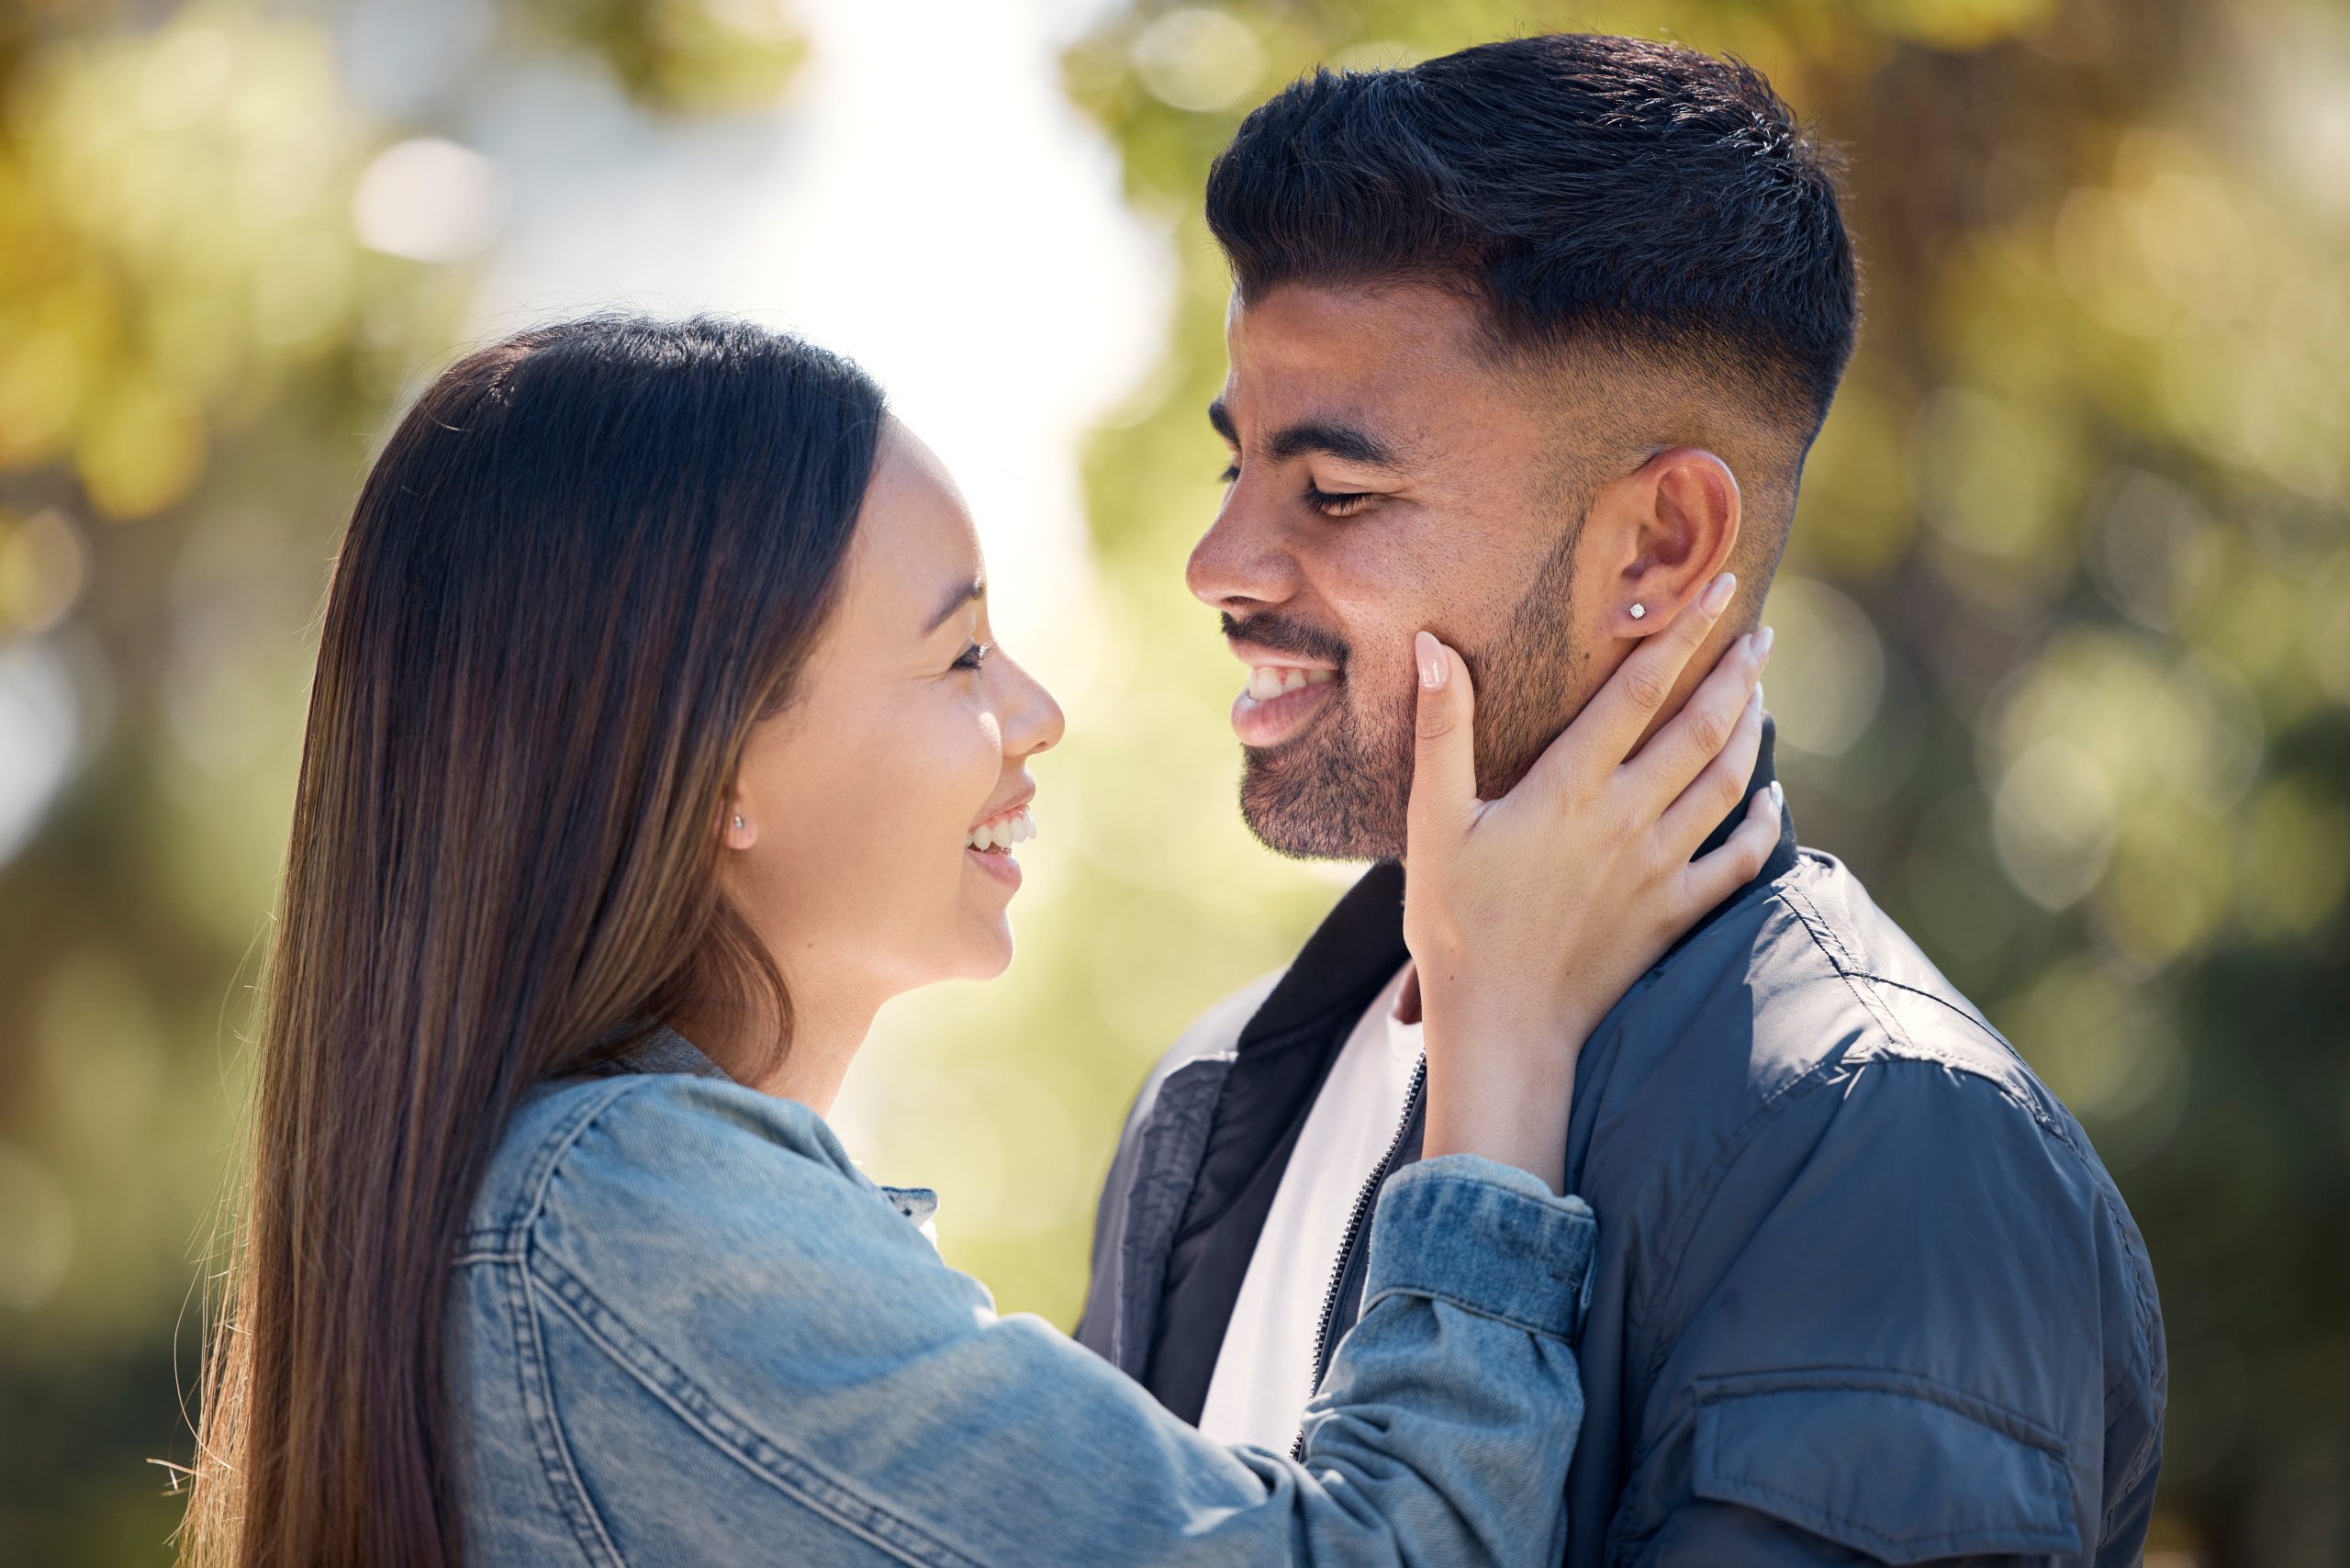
[
  {"x": 990, "y": 844},
  {"x": 1279, "y": 701}
]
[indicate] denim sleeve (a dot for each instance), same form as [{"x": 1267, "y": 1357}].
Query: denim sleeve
[
  {"x": 1905, "y": 1326},
  {"x": 749, "y": 1357}
]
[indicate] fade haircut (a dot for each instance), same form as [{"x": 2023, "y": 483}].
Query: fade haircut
[{"x": 1584, "y": 191}]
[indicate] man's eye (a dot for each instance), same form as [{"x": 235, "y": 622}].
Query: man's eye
[
  {"x": 1337, "y": 503},
  {"x": 1231, "y": 473},
  {"x": 973, "y": 656}
]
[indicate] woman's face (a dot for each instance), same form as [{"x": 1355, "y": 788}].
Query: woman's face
[{"x": 863, "y": 802}]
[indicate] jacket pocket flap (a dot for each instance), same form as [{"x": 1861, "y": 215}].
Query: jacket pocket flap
[{"x": 1895, "y": 1467}]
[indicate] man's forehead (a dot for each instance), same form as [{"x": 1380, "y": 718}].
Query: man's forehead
[
  {"x": 1404, "y": 362},
  {"x": 1401, "y": 327}
]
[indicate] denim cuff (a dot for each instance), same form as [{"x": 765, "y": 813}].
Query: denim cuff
[{"x": 1488, "y": 1237}]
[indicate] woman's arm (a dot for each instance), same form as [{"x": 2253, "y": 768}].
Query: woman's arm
[{"x": 776, "y": 1356}]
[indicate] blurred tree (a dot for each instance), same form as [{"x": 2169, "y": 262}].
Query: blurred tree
[
  {"x": 216, "y": 275},
  {"x": 2065, "y": 621}
]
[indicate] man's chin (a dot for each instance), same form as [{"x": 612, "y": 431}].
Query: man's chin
[{"x": 1309, "y": 814}]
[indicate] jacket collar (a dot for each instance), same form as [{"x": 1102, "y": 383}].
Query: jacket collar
[
  {"x": 664, "y": 1050},
  {"x": 1359, "y": 945}
]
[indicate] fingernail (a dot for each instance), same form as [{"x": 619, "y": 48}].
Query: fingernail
[
  {"x": 1762, "y": 641},
  {"x": 1717, "y": 593},
  {"x": 1778, "y": 798},
  {"x": 1434, "y": 672}
]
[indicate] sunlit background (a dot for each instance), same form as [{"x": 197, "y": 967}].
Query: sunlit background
[{"x": 2065, "y": 628}]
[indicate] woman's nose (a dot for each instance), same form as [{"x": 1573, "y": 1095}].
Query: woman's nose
[{"x": 1033, "y": 722}]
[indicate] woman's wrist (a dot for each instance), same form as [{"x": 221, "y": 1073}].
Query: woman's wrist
[
  {"x": 1522, "y": 1126},
  {"x": 1503, "y": 1096}
]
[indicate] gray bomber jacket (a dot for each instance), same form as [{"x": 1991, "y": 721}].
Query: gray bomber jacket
[{"x": 1864, "y": 1292}]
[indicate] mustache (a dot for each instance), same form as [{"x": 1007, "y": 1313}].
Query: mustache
[{"x": 1271, "y": 630}]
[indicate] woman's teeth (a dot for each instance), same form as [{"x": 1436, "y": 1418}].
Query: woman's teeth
[
  {"x": 1003, "y": 832},
  {"x": 1269, "y": 681}
]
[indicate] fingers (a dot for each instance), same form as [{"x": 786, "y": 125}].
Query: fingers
[
  {"x": 1714, "y": 792},
  {"x": 1444, "y": 755},
  {"x": 1612, "y": 722},
  {"x": 1706, "y": 882},
  {"x": 1694, "y": 737}
]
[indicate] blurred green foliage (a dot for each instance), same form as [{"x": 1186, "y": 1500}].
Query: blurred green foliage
[{"x": 2064, "y": 664}]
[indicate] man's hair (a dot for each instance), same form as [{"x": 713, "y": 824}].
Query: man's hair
[{"x": 1584, "y": 190}]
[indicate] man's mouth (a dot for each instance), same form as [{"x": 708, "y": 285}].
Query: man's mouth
[
  {"x": 1269, "y": 681},
  {"x": 1279, "y": 701}
]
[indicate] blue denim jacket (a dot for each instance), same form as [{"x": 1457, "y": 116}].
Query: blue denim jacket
[{"x": 687, "y": 1329}]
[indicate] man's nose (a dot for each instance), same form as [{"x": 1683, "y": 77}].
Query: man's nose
[{"x": 1242, "y": 559}]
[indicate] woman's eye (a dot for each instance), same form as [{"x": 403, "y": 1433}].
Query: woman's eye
[
  {"x": 973, "y": 656},
  {"x": 1337, "y": 503}
]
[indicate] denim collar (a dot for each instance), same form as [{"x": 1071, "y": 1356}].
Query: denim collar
[{"x": 665, "y": 1050}]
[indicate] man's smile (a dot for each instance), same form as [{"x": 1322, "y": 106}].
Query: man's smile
[{"x": 1283, "y": 693}]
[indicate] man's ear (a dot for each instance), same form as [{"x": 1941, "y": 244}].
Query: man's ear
[{"x": 1669, "y": 528}]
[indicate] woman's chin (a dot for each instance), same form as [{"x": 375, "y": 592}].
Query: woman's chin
[{"x": 985, "y": 950}]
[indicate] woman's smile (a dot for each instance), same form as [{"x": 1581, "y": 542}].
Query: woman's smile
[{"x": 989, "y": 845}]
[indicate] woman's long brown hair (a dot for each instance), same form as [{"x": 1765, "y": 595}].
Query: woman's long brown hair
[{"x": 589, "y": 559}]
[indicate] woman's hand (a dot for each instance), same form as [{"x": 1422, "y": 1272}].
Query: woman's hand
[{"x": 1527, "y": 917}]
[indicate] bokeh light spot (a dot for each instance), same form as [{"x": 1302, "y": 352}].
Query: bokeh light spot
[
  {"x": 1198, "y": 59},
  {"x": 429, "y": 200},
  {"x": 1826, "y": 671},
  {"x": 36, "y": 1230}
]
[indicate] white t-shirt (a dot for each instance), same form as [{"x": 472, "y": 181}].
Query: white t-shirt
[{"x": 1264, "y": 1374}]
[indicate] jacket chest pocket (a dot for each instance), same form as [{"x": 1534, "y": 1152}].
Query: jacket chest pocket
[{"x": 1897, "y": 1468}]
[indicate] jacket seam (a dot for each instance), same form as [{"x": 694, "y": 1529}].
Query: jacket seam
[
  {"x": 540, "y": 1172},
  {"x": 1946, "y": 1543},
  {"x": 693, "y": 1405},
  {"x": 2139, "y": 1269},
  {"x": 1693, "y": 1212},
  {"x": 1742, "y": 1138},
  {"x": 556, "y": 1462},
  {"x": 1485, "y": 1310}
]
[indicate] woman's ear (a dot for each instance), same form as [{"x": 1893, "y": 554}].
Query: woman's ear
[{"x": 1672, "y": 525}]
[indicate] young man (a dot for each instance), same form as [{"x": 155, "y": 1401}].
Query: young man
[{"x": 1527, "y": 344}]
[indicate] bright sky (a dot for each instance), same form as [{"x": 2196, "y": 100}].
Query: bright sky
[{"x": 926, "y": 202}]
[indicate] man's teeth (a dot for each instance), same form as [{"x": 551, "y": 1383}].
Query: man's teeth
[
  {"x": 1003, "y": 832},
  {"x": 1269, "y": 681}
]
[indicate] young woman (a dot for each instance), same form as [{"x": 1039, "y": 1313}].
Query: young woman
[{"x": 656, "y": 741}]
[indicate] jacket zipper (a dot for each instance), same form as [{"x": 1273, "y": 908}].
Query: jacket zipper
[{"x": 1361, "y": 1212}]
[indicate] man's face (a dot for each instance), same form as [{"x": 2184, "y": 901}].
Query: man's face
[{"x": 1386, "y": 479}]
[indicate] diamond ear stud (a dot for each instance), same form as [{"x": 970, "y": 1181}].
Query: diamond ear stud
[{"x": 1639, "y": 612}]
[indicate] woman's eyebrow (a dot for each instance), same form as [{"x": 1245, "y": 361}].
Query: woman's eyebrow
[{"x": 961, "y": 595}]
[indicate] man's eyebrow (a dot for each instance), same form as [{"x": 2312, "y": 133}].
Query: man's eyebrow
[
  {"x": 1342, "y": 441},
  {"x": 963, "y": 594}
]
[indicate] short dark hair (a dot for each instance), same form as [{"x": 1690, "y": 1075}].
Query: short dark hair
[{"x": 1582, "y": 188}]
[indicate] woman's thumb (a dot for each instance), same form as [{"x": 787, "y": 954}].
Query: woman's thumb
[{"x": 1444, "y": 758}]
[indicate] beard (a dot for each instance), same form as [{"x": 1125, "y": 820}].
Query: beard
[{"x": 1342, "y": 790}]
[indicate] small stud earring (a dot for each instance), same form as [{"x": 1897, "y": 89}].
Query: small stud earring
[
  {"x": 1639, "y": 612},
  {"x": 738, "y": 822}
]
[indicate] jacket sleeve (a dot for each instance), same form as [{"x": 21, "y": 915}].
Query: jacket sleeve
[
  {"x": 753, "y": 1334},
  {"x": 1908, "y": 1325}
]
